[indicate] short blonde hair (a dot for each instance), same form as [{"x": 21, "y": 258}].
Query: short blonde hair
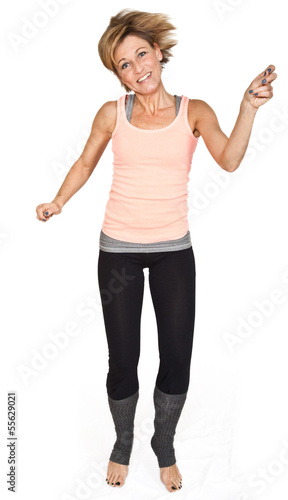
[{"x": 152, "y": 27}]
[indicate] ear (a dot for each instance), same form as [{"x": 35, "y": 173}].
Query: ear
[{"x": 158, "y": 51}]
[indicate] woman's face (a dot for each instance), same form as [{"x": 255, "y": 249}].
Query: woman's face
[{"x": 135, "y": 58}]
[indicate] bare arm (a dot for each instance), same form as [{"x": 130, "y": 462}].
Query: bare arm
[
  {"x": 79, "y": 173},
  {"x": 228, "y": 153},
  {"x": 96, "y": 144},
  {"x": 208, "y": 126}
]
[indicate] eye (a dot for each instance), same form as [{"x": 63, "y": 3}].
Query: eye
[{"x": 124, "y": 65}]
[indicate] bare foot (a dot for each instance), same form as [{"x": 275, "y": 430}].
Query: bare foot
[
  {"x": 116, "y": 474},
  {"x": 171, "y": 477}
]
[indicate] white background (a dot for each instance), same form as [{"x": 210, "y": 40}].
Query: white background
[{"x": 232, "y": 438}]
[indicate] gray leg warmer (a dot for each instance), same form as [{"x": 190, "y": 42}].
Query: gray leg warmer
[
  {"x": 168, "y": 409},
  {"x": 123, "y": 413}
]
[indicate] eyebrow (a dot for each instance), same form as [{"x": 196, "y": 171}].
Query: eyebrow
[{"x": 123, "y": 58}]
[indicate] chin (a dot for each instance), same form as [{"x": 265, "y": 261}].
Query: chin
[
  {"x": 143, "y": 89},
  {"x": 147, "y": 89}
]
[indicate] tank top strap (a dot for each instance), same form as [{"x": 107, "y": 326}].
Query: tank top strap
[
  {"x": 178, "y": 102},
  {"x": 121, "y": 112},
  {"x": 129, "y": 106},
  {"x": 184, "y": 106}
]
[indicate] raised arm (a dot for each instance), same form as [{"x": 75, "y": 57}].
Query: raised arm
[
  {"x": 228, "y": 153},
  {"x": 79, "y": 173}
]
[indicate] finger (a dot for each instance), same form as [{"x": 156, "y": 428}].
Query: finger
[
  {"x": 45, "y": 212},
  {"x": 267, "y": 83},
  {"x": 269, "y": 79},
  {"x": 266, "y": 93},
  {"x": 265, "y": 87},
  {"x": 272, "y": 67},
  {"x": 41, "y": 215},
  {"x": 40, "y": 209},
  {"x": 268, "y": 71},
  {"x": 264, "y": 75},
  {"x": 270, "y": 76},
  {"x": 40, "y": 218},
  {"x": 48, "y": 213},
  {"x": 261, "y": 88}
]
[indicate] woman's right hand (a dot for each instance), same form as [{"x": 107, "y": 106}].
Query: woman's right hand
[{"x": 46, "y": 210}]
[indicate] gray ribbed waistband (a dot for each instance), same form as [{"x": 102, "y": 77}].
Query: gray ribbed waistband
[{"x": 108, "y": 244}]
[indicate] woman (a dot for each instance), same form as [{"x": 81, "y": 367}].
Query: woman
[{"x": 145, "y": 222}]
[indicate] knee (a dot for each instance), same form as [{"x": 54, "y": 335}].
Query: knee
[
  {"x": 122, "y": 366},
  {"x": 179, "y": 361},
  {"x": 174, "y": 376},
  {"x": 122, "y": 380}
]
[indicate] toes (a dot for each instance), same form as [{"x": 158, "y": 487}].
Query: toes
[
  {"x": 174, "y": 487},
  {"x": 172, "y": 480},
  {"x": 120, "y": 482},
  {"x": 177, "y": 485},
  {"x": 171, "y": 487},
  {"x": 115, "y": 481},
  {"x": 114, "y": 476},
  {"x": 112, "y": 482},
  {"x": 108, "y": 476}
]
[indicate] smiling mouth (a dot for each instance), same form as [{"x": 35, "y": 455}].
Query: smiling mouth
[{"x": 144, "y": 78}]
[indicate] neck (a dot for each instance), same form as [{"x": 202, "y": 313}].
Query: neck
[{"x": 152, "y": 102}]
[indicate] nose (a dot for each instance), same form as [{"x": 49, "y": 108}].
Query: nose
[{"x": 138, "y": 68}]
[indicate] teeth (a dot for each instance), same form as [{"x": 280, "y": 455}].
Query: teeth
[{"x": 144, "y": 77}]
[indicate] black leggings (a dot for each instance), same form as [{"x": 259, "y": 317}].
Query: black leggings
[{"x": 172, "y": 286}]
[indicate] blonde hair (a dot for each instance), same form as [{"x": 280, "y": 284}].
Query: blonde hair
[{"x": 152, "y": 27}]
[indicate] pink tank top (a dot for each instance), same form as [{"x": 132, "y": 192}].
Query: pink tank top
[{"x": 148, "y": 196}]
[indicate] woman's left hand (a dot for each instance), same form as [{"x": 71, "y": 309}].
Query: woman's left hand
[{"x": 260, "y": 90}]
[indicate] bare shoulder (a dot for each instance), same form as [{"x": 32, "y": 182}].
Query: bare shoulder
[
  {"x": 105, "y": 119},
  {"x": 200, "y": 106},
  {"x": 200, "y": 111}
]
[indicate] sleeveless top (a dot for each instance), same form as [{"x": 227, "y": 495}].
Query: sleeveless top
[{"x": 147, "y": 207}]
